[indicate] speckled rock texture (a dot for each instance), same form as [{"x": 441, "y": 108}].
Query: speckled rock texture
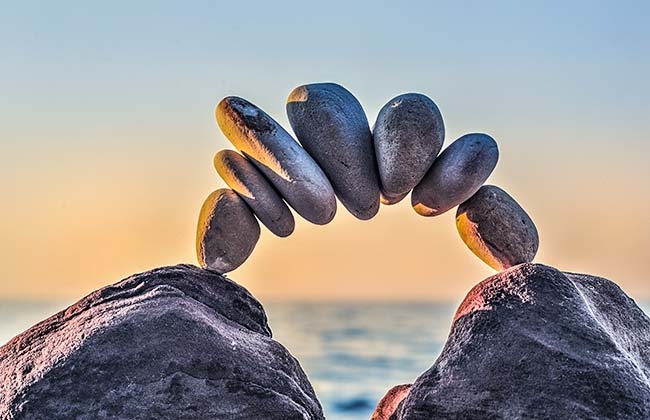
[
  {"x": 226, "y": 233},
  {"x": 456, "y": 174},
  {"x": 172, "y": 343},
  {"x": 535, "y": 343},
  {"x": 300, "y": 181},
  {"x": 331, "y": 125},
  {"x": 496, "y": 229},
  {"x": 408, "y": 135},
  {"x": 247, "y": 181}
]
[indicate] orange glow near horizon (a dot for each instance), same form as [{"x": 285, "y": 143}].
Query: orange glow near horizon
[{"x": 80, "y": 233}]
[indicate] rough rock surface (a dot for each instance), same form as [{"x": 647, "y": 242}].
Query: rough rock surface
[
  {"x": 173, "y": 343},
  {"x": 247, "y": 181},
  {"x": 226, "y": 233},
  {"x": 298, "y": 178},
  {"x": 456, "y": 174},
  {"x": 535, "y": 343},
  {"x": 496, "y": 229},
  {"x": 331, "y": 125},
  {"x": 408, "y": 136}
]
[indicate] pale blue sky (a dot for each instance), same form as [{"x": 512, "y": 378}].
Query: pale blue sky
[
  {"x": 118, "y": 57},
  {"x": 107, "y": 120}
]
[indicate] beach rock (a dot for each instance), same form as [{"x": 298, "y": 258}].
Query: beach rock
[
  {"x": 456, "y": 174},
  {"x": 297, "y": 177},
  {"x": 173, "y": 343},
  {"x": 331, "y": 125},
  {"x": 247, "y": 181},
  {"x": 535, "y": 343},
  {"x": 390, "y": 402},
  {"x": 389, "y": 200},
  {"x": 227, "y": 232},
  {"x": 497, "y": 229},
  {"x": 408, "y": 136}
]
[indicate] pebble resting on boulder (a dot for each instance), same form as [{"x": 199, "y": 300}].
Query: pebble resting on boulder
[
  {"x": 497, "y": 229},
  {"x": 173, "y": 343},
  {"x": 280, "y": 158},
  {"x": 331, "y": 125},
  {"x": 456, "y": 174},
  {"x": 227, "y": 232},
  {"x": 535, "y": 343},
  {"x": 408, "y": 136}
]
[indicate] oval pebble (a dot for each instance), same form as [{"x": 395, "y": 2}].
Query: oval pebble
[
  {"x": 227, "y": 232},
  {"x": 408, "y": 136},
  {"x": 497, "y": 229},
  {"x": 331, "y": 125},
  {"x": 456, "y": 174},
  {"x": 247, "y": 181},
  {"x": 297, "y": 177}
]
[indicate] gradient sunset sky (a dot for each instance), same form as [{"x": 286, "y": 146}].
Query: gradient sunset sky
[{"x": 108, "y": 135}]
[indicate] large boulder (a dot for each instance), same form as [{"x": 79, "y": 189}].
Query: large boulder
[
  {"x": 173, "y": 343},
  {"x": 535, "y": 343}
]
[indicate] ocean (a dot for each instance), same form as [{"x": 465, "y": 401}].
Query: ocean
[{"x": 353, "y": 352}]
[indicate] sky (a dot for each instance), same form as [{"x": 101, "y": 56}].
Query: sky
[{"x": 107, "y": 135}]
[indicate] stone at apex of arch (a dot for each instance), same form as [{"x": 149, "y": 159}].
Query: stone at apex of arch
[
  {"x": 495, "y": 228},
  {"x": 456, "y": 174},
  {"x": 290, "y": 169},
  {"x": 331, "y": 125},
  {"x": 226, "y": 233},
  {"x": 408, "y": 135},
  {"x": 247, "y": 181}
]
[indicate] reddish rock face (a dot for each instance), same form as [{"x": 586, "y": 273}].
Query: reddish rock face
[{"x": 390, "y": 402}]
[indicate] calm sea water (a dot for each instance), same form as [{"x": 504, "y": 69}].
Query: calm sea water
[{"x": 353, "y": 352}]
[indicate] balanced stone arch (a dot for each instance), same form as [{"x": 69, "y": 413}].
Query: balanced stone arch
[{"x": 338, "y": 155}]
